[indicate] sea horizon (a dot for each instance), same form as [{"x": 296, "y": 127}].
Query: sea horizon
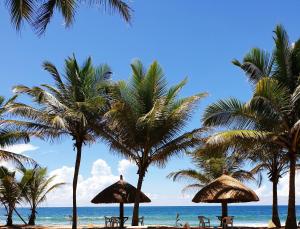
[{"x": 244, "y": 215}]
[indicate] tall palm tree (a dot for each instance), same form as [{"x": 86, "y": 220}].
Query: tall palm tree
[
  {"x": 210, "y": 164},
  {"x": 39, "y": 13},
  {"x": 66, "y": 109},
  {"x": 10, "y": 193},
  {"x": 37, "y": 185},
  {"x": 146, "y": 120},
  {"x": 272, "y": 115}
]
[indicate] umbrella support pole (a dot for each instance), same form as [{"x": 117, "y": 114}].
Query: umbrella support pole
[
  {"x": 121, "y": 215},
  {"x": 224, "y": 209}
]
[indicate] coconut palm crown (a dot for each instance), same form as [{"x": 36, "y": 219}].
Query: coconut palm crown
[
  {"x": 36, "y": 185},
  {"x": 210, "y": 164},
  {"x": 66, "y": 109},
  {"x": 272, "y": 115},
  {"x": 146, "y": 120}
]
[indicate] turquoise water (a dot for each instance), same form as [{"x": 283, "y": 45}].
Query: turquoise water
[{"x": 244, "y": 215}]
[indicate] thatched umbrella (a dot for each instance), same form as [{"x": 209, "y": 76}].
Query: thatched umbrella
[
  {"x": 224, "y": 190},
  {"x": 120, "y": 192}
]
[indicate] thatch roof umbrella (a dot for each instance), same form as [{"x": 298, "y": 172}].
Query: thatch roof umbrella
[
  {"x": 120, "y": 192},
  {"x": 224, "y": 190}
]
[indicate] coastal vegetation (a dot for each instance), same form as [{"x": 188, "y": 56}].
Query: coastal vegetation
[
  {"x": 36, "y": 184},
  {"x": 32, "y": 188},
  {"x": 272, "y": 114},
  {"x": 145, "y": 120}
]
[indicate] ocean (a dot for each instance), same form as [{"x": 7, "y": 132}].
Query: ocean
[{"x": 243, "y": 215}]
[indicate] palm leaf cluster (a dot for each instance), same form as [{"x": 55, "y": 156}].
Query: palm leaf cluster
[
  {"x": 39, "y": 13},
  {"x": 146, "y": 120},
  {"x": 36, "y": 186},
  {"x": 210, "y": 164},
  {"x": 10, "y": 135},
  {"x": 271, "y": 116},
  {"x": 69, "y": 108}
]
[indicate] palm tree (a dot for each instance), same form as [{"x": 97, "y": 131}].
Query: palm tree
[
  {"x": 146, "y": 120},
  {"x": 39, "y": 13},
  {"x": 66, "y": 109},
  {"x": 10, "y": 193},
  {"x": 272, "y": 115},
  {"x": 36, "y": 185},
  {"x": 210, "y": 164},
  {"x": 276, "y": 164}
]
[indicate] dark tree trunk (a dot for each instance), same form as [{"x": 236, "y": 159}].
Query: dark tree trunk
[
  {"x": 75, "y": 180},
  {"x": 275, "y": 215},
  {"x": 32, "y": 217},
  {"x": 9, "y": 221},
  {"x": 291, "y": 216},
  {"x": 135, "y": 214}
]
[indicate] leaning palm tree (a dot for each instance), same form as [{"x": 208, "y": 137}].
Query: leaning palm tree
[
  {"x": 146, "y": 121},
  {"x": 210, "y": 164},
  {"x": 272, "y": 115},
  {"x": 39, "y": 13},
  {"x": 10, "y": 193},
  {"x": 37, "y": 185},
  {"x": 66, "y": 109},
  {"x": 263, "y": 120}
]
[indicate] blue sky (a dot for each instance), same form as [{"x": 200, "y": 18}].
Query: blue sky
[{"x": 197, "y": 39}]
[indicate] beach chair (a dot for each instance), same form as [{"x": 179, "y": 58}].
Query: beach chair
[
  {"x": 228, "y": 220},
  {"x": 203, "y": 221},
  {"x": 107, "y": 221},
  {"x": 141, "y": 221},
  {"x": 115, "y": 222}
]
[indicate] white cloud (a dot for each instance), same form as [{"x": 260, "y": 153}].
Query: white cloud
[
  {"x": 20, "y": 148},
  {"x": 125, "y": 165},
  {"x": 101, "y": 176}
]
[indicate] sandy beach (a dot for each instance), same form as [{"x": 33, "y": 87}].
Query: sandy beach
[{"x": 102, "y": 226}]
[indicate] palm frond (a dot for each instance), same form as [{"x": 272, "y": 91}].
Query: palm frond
[{"x": 21, "y": 10}]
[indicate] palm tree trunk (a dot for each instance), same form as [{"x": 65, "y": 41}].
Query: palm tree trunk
[
  {"x": 291, "y": 216},
  {"x": 135, "y": 214},
  {"x": 75, "y": 180},
  {"x": 275, "y": 215},
  {"x": 32, "y": 217},
  {"x": 9, "y": 221}
]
